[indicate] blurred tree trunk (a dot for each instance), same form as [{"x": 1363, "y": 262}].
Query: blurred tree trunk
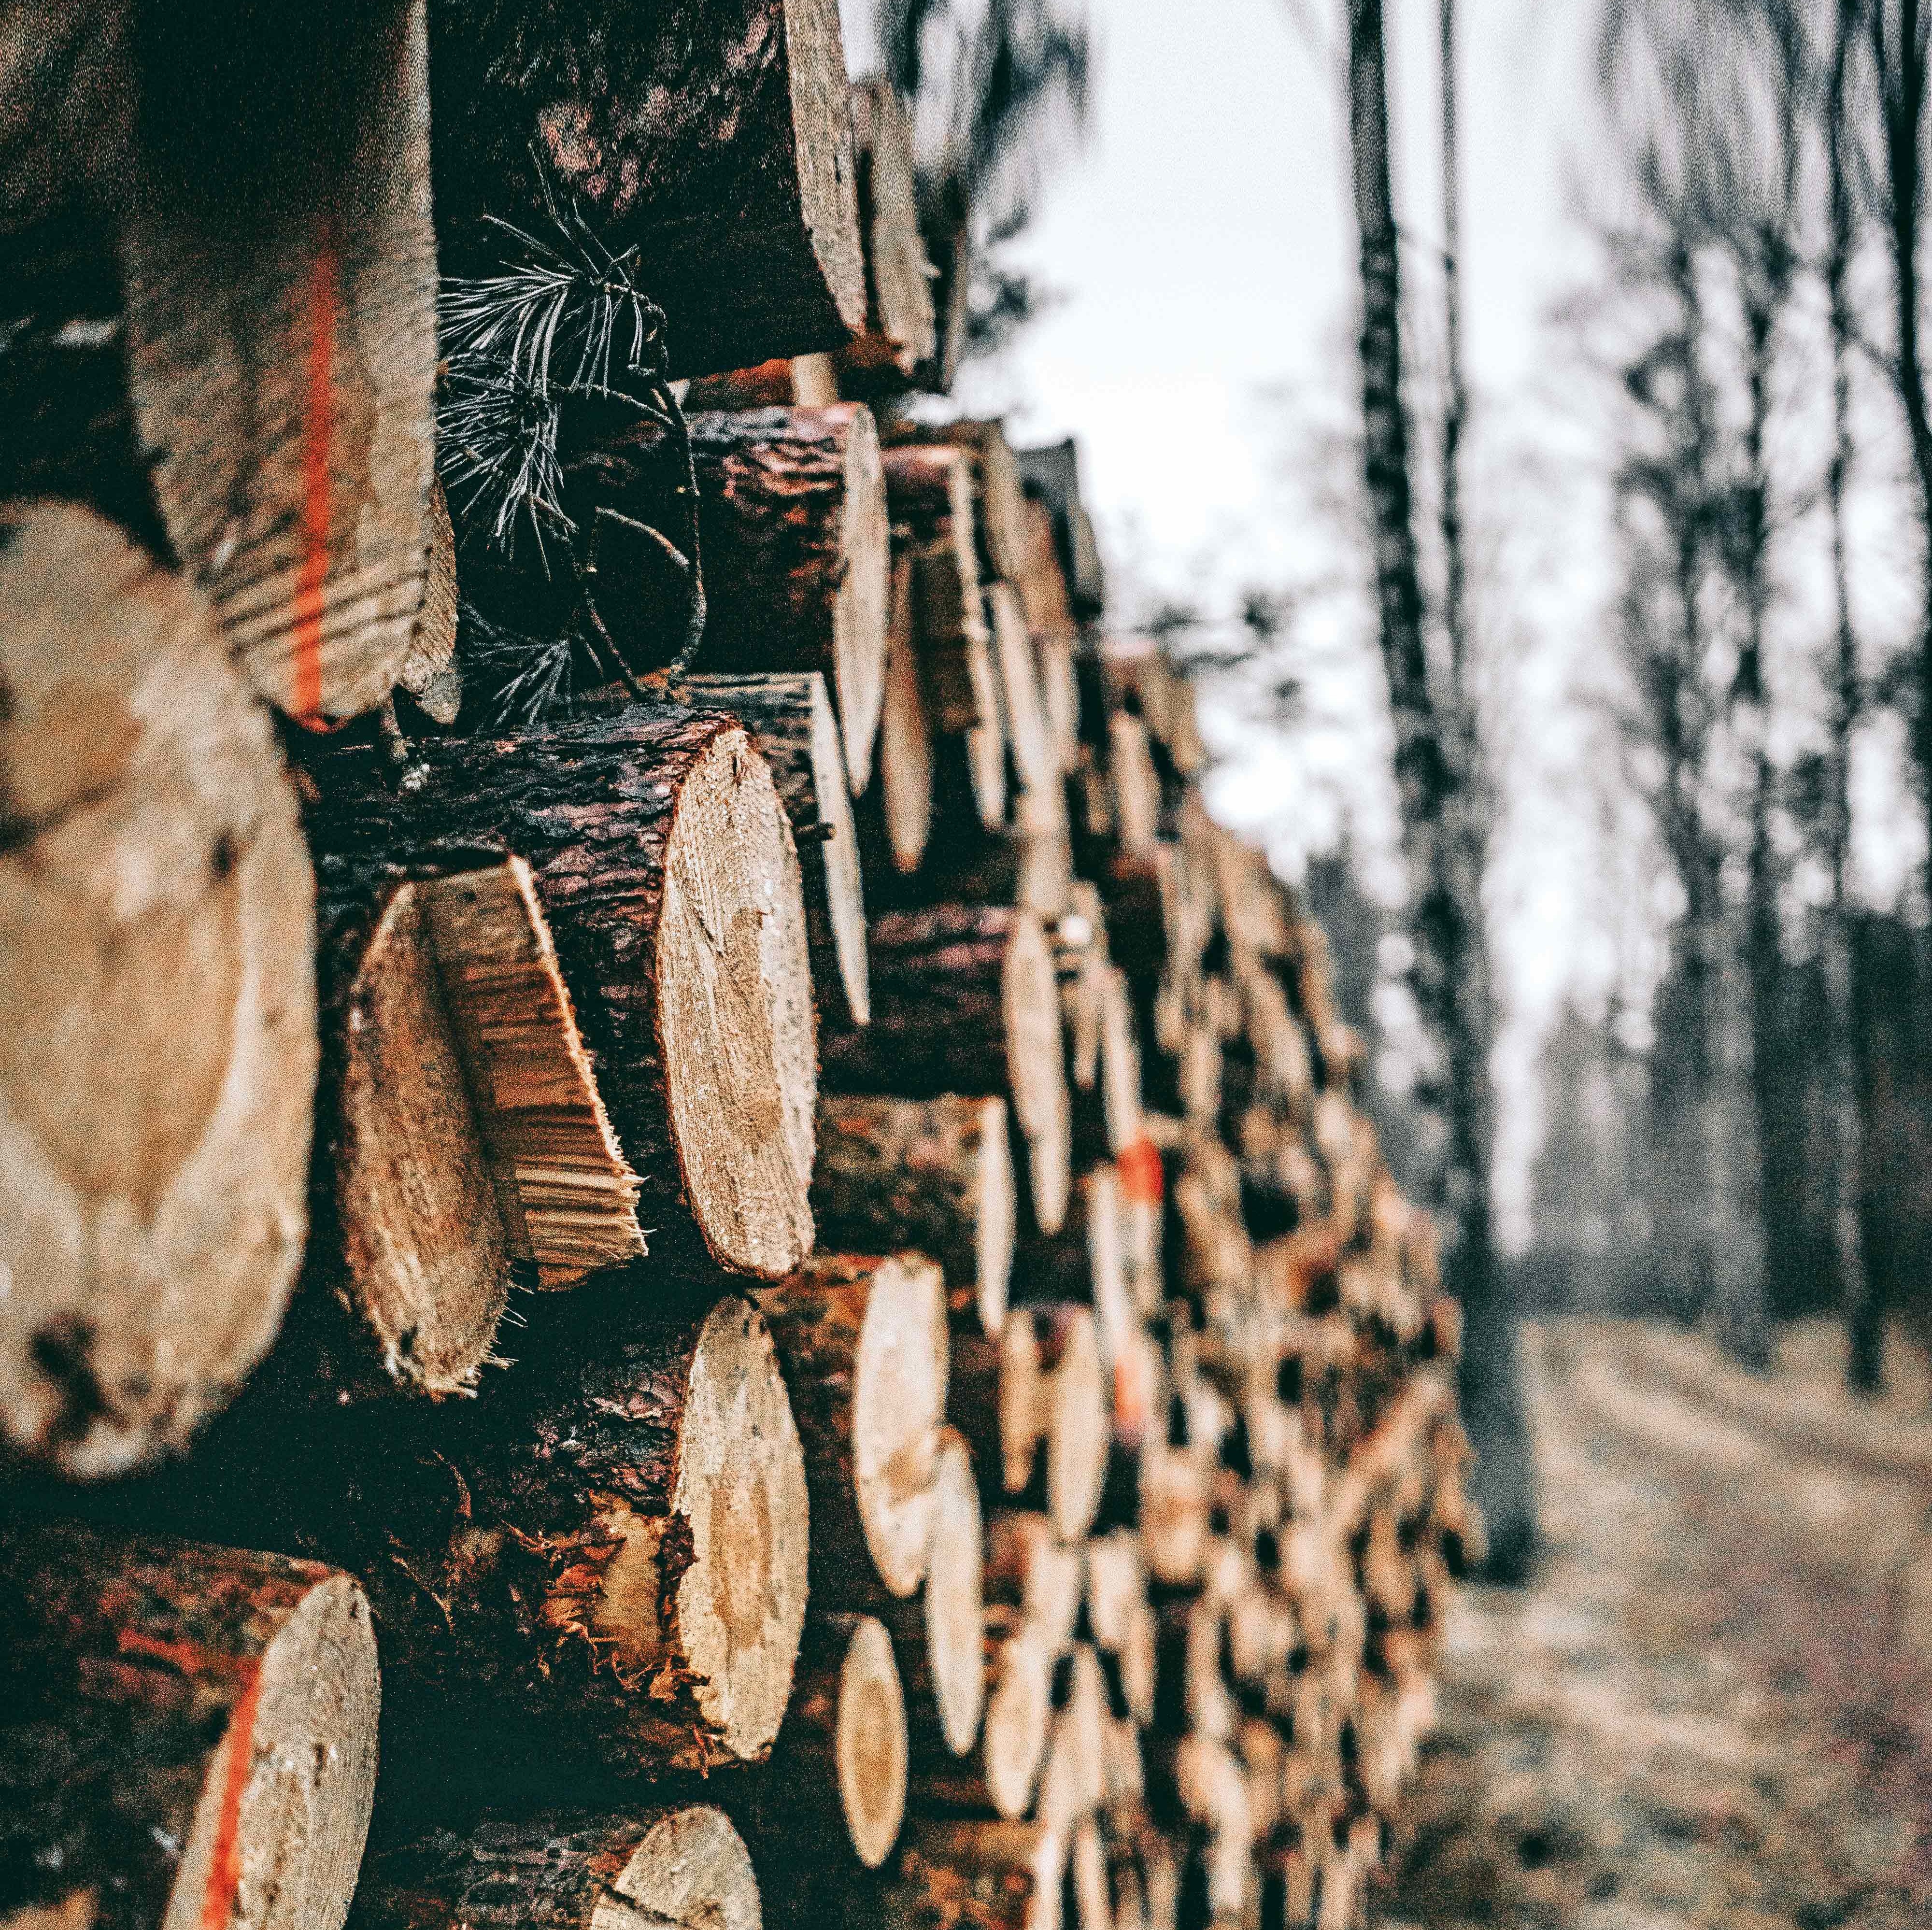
[
  {"x": 1444, "y": 831},
  {"x": 1898, "y": 32},
  {"x": 1860, "y": 1285}
]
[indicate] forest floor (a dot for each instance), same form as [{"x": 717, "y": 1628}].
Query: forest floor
[{"x": 1713, "y": 1705}]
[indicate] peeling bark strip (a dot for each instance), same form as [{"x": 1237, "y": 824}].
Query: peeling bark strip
[
  {"x": 790, "y": 720},
  {"x": 713, "y": 135},
  {"x": 663, "y": 862},
  {"x": 864, "y": 1346},
  {"x": 682, "y": 1868},
  {"x": 187, "y": 1734},
  {"x": 607, "y": 1555},
  {"x": 965, "y": 1000},
  {"x": 281, "y": 335},
  {"x": 157, "y": 1074},
  {"x": 935, "y": 1174}
]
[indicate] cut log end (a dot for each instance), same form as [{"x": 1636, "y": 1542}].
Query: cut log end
[
  {"x": 307, "y": 1734},
  {"x": 425, "y": 1262},
  {"x": 869, "y": 1743},
  {"x": 954, "y": 1644},
  {"x": 156, "y": 919},
  {"x": 1019, "y": 1716},
  {"x": 741, "y": 1485},
  {"x": 898, "y": 1396},
  {"x": 569, "y": 1197},
  {"x": 861, "y": 608},
  {"x": 904, "y": 760},
  {"x": 845, "y": 890},
  {"x": 994, "y": 1233},
  {"x": 1029, "y": 993},
  {"x": 1078, "y": 1432},
  {"x": 734, "y": 1013}
]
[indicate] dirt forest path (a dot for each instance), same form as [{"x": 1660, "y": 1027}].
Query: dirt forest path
[{"x": 1713, "y": 1707}]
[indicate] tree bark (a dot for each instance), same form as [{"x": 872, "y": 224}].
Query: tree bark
[
  {"x": 965, "y": 1000},
  {"x": 900, "y": 335},
  {"x": 797, "y": 545},
  {"x": 188, "y": 1733},
  {"x": 156, "y": 918},
  {"x": 665, "y": 866},
  {"x": 790, "y": 720},
  {"x": 935, "y": 1174},
  {"x": 713, "y": 136},
  {"x": 864, "y": 1346},
  {"x": 1443, "y": 833},
  {"x": 682, "y": 1868}
]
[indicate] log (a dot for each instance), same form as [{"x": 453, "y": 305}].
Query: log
[
  {"x": 187, "y": 1734},
  {"x": 929, "y": 493},
  {"x": 957, "y": 1874},
  {"x": 995, "y": 478},
  {"x": 1041, "y": 579},
  {"x": 1083, "y": 1263},
  {"x": 901, "y": 793},
  {"x": 1073, "y": 1780},
  {"x": 841, "y": 1758},
  {"x": 997, "y": 1779},
  {"x": 899, "y": 337},
  {"x": 409, "y": 1231},
  {"x": 954, "y": 1674},
  {"x": 935, "y": 1174},
  {"x": 863, "y": 1343},
  {"x": 684, "y": 1867},
  {"x": 1034, "y": 1405},
  {"x": 1029, "y": 1568},
  {"x": 1087, "y": 1877},
  {"x": 1052, "y": 474},
  {"x": 664, "y": 863},
  {"x": 156, "y": 917},
  {"x": 1036, "y": 759},
  {"x": 790, "y": 718},
  {"x": 713, "y": 136},
  {"x": 607, "y": 1556},
  {"x": 792, "y": 518},
  {"x": 277, "y": 308},
  {"x": 965, "y": 1000}
]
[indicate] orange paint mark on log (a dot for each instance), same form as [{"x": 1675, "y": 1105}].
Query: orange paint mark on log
[
  {"x": 187, "y": 1657},
  {"x": 224, "y": 1873},
  {"x": 318, "y": 426},
  {"x": 1138, "y": 1166},
  {"x": 1130, "y": 1396}
]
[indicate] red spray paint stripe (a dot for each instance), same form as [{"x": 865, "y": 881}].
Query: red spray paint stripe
[
  {"x": 318, "y": 424},
  {"x": 224, "y": 1873},
  {"x": 1138, "y": 1166}
]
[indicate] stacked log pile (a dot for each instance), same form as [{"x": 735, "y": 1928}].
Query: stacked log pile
[{"x": 779, "y": 1239}]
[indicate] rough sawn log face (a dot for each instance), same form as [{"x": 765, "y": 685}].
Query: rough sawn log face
[
  {"x": 714, "y": 135},
  {"x": 156, "y": 971}
]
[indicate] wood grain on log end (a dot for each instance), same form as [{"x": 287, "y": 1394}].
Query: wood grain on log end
[
  {"x": 864, "y": 1343},
  {"x": 420, "y": 1232},
  {"x": 569, "y": 1198},
  {"x": 157, "y": 924},
  {"x": 797, "y": 552},
  {"x": 188, "y": 1734},
  {"x": 954, "y": 1651},
  {"x": 935, "y": 1174},
  {"x": 682, "y": 1868},
  {"x": 790, "y": 718},
  {"x": 733, "y": 985},
  {"x": 869, "y": 1743},
  {"x": 900, "y": 335},
  {"x": 904, "y": 774},
  {"x": 1077, "y": 1430},
  {"x": 429, "y": 672},
  {"x": 281, "y": 317}
]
